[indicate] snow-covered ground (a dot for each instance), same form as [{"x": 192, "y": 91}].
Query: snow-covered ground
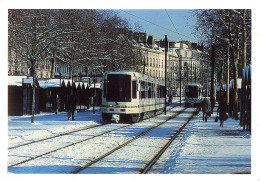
[
  {"x": 207, "y": 148},
  {"x": 204, "y": 148}
]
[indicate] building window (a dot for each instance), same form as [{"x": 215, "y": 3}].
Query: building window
[
  {"x": 67, "y": 68},
  {"x": 162, "y": 63},
  {"x": 57, "y": 68}
]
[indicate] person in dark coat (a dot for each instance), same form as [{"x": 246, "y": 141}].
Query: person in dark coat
[
  {"x": 71, "y": 105},
  {"x": 205, "y": 106},
  {"x": 170, "y": 99},
  {"x": 57, "y": 104}
]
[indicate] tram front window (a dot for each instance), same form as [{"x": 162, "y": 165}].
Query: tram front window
[
  {"x": 192, "y": 92},
  {"x": 118, "y": 88}
]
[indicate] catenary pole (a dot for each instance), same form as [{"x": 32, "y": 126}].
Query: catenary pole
[
  {"x": 180, "y": 67},
  {"x": 165, "y": 73}
]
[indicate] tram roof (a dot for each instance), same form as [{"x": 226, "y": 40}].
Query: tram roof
[
  {"x": 129, "y": 72},
  {"x": 193, "y": 84}
]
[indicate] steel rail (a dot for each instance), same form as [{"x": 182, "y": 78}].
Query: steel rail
[
  {"x": 62, "y": 134},
  {"x": 84, "y": 166},
  {"x": 156, "y": 157},
  {"x": 71, "y": 144},
  {"x": 55, "y": 136}
]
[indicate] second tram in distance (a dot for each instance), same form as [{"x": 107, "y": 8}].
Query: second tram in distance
[
  {"x": 129, "y": 95},
  {"x": 193, "y": 95}
]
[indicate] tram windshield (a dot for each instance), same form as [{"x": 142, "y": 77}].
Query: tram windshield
[
  {"x": 118, "y": 88},
  {"x": 192, "y": 91}
]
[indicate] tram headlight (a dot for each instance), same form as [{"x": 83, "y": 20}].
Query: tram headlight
[
  {"x": 124, "y": 106},
  {"x": 110, "y": 105}
]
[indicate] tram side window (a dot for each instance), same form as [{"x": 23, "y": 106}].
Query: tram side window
[
  {"x": 105, "y": 88},
  {"x": 161, "y": 91},
  {"x": 158, "y": 91},
  {"x": 142, "y": 89},
  {"x": 153, "y": 90},
  {"x": 149, "y": 90},
  {"x": 134, "y": 89}
]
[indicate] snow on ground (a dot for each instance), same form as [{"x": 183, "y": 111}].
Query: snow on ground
[
  {"x": 21, "y": 130},
  {"x": 206, "y": 148}
]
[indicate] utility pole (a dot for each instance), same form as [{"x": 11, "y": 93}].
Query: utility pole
[
  {"x": 195, "y": 73},
  {"x": 180, "y": 67},
  {"x": 165, "y": 73}
]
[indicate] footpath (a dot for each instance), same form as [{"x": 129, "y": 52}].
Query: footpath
[{"x": 211, "y": 149}]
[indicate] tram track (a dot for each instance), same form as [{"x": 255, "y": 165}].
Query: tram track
[
  {"x": 74, "y": 143},
  {"x": 68, "y": 145},
  {"x": 88, "y": 164},
  {"x": 67, "y": 133},
  {"x": 54, "y": 136},
  {"x": 156, "y": 157}
]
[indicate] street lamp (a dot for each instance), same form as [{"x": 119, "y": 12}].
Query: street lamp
[
  {"x": 180, "y": 67},
  {"x": 165, "y": 73}
]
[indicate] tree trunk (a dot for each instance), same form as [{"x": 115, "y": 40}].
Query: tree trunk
[
  {"x": 53, "y": 63},
  {"x": 242, "y": 111},
  {"x": 33, "y": 95},
  {"x": 235, "y": 108},
  {"x": 227, "y": 95},
  {"x": 212, "y": 98}
]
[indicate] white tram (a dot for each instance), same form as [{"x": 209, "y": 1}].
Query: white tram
[
  {"x": 193, "y": 95},
  {"x": 128, "y": 96}
]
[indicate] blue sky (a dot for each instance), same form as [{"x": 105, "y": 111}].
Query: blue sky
[{"x": 161, "y": 22}]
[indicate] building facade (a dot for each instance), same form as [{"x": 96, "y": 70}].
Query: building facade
[{"x": 183, "y": 59}]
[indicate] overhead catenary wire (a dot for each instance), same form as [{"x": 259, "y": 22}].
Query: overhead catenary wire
[
  {"x": 176, "y": 32},
  {"x": 173, "y": 24}
]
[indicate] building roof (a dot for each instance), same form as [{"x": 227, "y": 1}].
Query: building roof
[{"x": 15, "y": 80}]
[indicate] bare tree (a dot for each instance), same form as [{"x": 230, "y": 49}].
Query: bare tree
[
  {"x": 30, "y": 33},
  {"x": 218, "y": 25}
]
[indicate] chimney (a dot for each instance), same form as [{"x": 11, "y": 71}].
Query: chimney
[
  {"x": 181, "y": 45},
  {"x": 189, "y": 45},
  {"x": 150, "y": 40}
]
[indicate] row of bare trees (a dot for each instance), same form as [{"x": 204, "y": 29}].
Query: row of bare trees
[
  {"x": 229, "y": 31},
  {"x": 86, "y": 37},
  {"x": 77, "y": 37}
]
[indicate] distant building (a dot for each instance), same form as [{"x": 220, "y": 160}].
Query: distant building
[{"x": 153, "y": 58}]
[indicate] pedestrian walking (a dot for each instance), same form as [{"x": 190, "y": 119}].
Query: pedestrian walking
[
  {"x": 71, "y": 101},
  {"x": 170, "y": 98},
  {"x": 205, "y": 106},
  {"x": 57, "y": 104}
]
